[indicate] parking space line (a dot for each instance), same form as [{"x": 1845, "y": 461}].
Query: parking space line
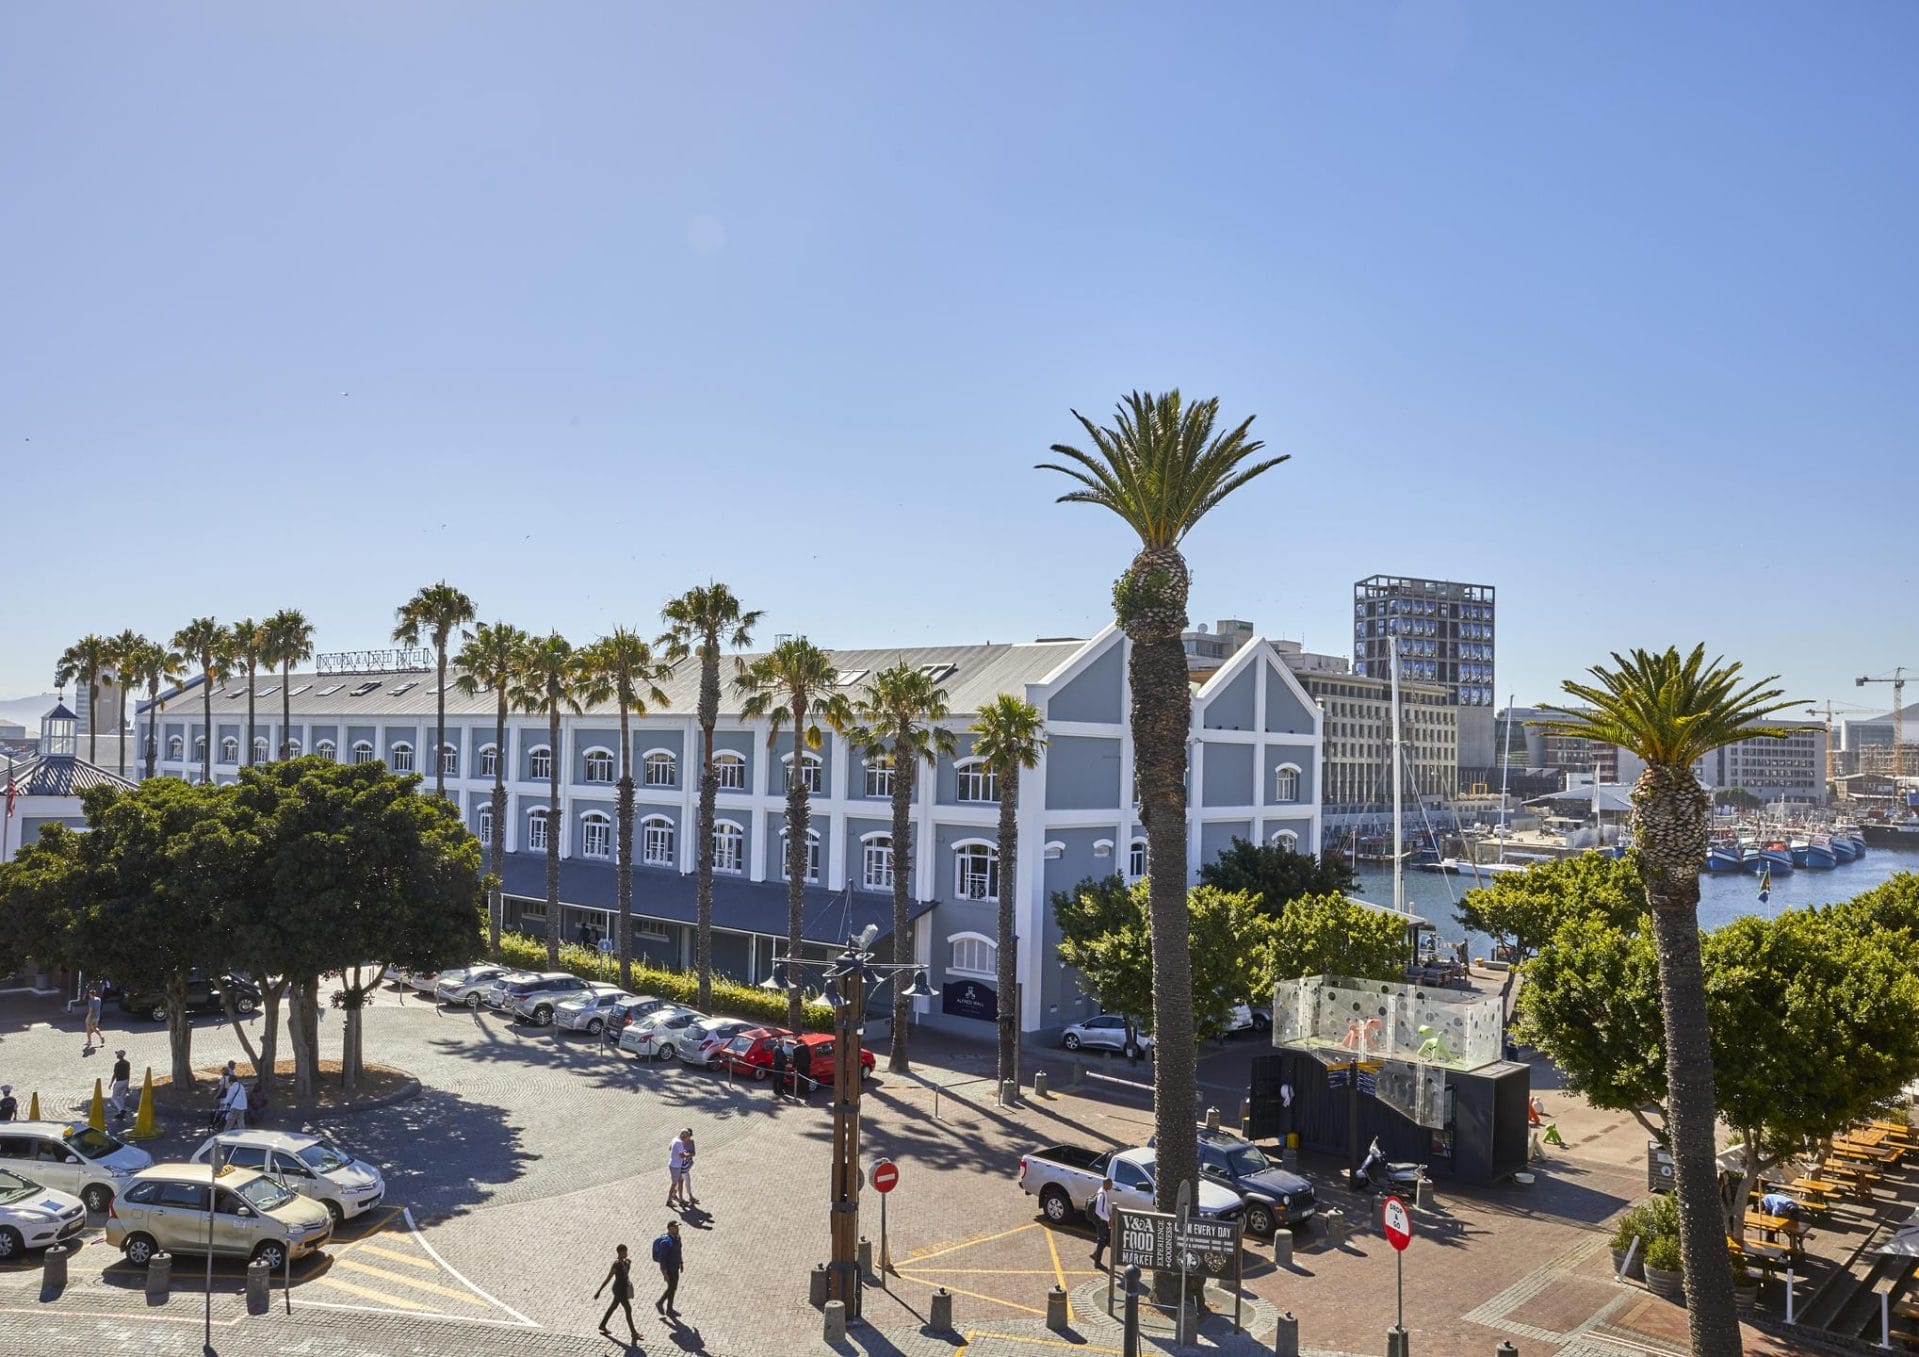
[
  {"x": 1009, "y": 1304},
  {"x": 421, "y": 1240},
  {"x": 975, "y": 1335},
  {"x": 967, "y": 1244},
  {"x": 368, "y": 1293},
  {"x": 1059, "y": 1273},
  {"x": 1007, "y": 1271},
  {"x": 411, "y": 1260},
  {"x": 463, "y": 1297}
]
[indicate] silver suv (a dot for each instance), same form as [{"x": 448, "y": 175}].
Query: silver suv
[
  {"x": 534, "y": 1000},
  {"x": 587, "y": 1012},
  {"x": 470, "y": 986}
]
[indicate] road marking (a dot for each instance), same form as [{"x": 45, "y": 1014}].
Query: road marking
[
  {"x": 411, "y": 1260},
  {"x": 977, "y": 1334},
  {"x": 368, "y": 1293},
  {"x": 1059, "y": 1273},
  {"x": 420, "y": 1239},
  {"x": 463, "y": 1297},
  {"x": 1009, "y": 1304},
  {"x": 967, "y": 1244},
  {"x": 1008, "y": 1271}
]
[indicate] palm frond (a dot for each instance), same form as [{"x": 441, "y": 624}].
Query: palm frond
[{"x": 1667, "y": 709}]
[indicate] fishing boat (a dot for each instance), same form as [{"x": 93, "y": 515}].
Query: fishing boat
[
  {"x": 1801, "y": 849},
  {"x": 1843, "y": 848},
  {"x": 1821, "y": 853},
  {"x": 1724, "y": 857},
  {"x": 1774, "y": 854}
]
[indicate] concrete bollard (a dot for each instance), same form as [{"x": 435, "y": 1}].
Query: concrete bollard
[
  {"x": 1286, "y": 1336},
  {"x": 940, "y": 1318},
  {"x": 866, "y": 1256},
  {"x": 1396, "y": 1342},
  {"x": 1506, "y": 1349},
  {"x": 53, "y": 1276},
  {"x": 159, "y": 1276},
  {"x": 836, "y": 1321},
  {"x": 1423, "y": 1194},
  {"x": 819, "y": 1285},
  {"x": 1282, "y": 1247},
  {"x": 1212, "y": 1118},
  {"x": 259, "y": 1275},
  {"x": 1039, "y": 1083},
  {"x": 1056, "y": 1309},
  {"x": 1008, "y": 1093}
]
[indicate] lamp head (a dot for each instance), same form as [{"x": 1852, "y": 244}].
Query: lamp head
[
  {"x": 866, "y": 936},
  {"x": 919, "y": 989},
  {"x": 777, "y": 980}
]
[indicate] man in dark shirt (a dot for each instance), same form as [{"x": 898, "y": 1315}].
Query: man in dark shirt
[
  {"x": 666, "y": 1252},
  {"x": 779, "y": 1059},
  {"x": 122, "y": 1076}
]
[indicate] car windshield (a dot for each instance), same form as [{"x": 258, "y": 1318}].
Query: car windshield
[
  {"x": 1247, "y": 1159},
  {"x": 91, "y": 1144},
  {"x": 13, "y": 1187},
  {"x": 263, "y": 1194},
  {"x": 323, "y": 1156}
]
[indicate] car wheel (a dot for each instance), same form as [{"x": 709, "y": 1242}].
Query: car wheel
[
  {"x": 11, "y": 1244},
  {"x": 542, "y": 1016},
  {"x": 1262, "y": 1023},
  {"x": 245, "y": 1003},
  {"x": 139, "y": 1249},
  {"x": 158, "y": 1013},
  {"x": 1055, "y": 1205},
  {"x": 665, "y": 1052},
  {"x": 273, "y": 1253},
  {"x": 759, "y": 1072},
  {"x": 1259, "y": 1220},
  {"x": 97, "y": 1196},
  {"x": 473, "y": 1002},
  {"x": 1072, "y": 1041},
  {"x": 595, "y": 1026}
]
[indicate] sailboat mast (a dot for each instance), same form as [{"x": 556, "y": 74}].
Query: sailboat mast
[
  {"x": 1505, "y": 774},
  {"x": 1399, "y": 866}
]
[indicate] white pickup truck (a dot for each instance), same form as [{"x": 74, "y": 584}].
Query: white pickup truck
[{"x": 1065, "y": 1177}]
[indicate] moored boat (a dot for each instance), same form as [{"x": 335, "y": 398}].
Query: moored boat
[
  {"x": 1820, "y": 855},
  {"x": 1843, "y": 849},
  {"x": 1724, "y": 857},
  {"x": 1777, "y": 856}
]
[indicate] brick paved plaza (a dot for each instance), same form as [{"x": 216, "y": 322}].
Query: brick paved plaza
[{"x": 527, "y": 1155}]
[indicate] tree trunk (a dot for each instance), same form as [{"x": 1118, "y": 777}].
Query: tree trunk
[
  {"x": 303, "y": 1030},
  {"x": 93, "y": 717},
  {"x": 248, "y": 760},
  {"x": 709, "y": 715},
  {"x": 553, "y": 824},
  {"x": 179, "y": 1029},
  {"x": 439, "y": 723},
  {"x": 120, "y": 720},
  {"x": 153, "y": 728},
  {"x": 496, "y": 907},
  {"x": 904, "y": 770},
  {"x": 1007, "y": 978},
  {"x": 271, "y": 992},
  {"x": 797, "y": 817},
  {"x": 1669, "y": 823},
  {"x": 206, "y": 746},
  {"x": 625, "y": 924},
  {"x": 286, "y": 710}
]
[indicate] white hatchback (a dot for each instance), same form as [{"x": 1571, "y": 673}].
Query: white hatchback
[
  {"x": 313, "y": 1166},
  {"x": 72, "y": 1157},
  {"x": 32, "y": 1216}
]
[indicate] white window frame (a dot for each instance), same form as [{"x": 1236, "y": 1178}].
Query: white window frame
[
  {"x": 327, "y": 749},
  {"x": 1285, "y": 838},
  {"x": 486, "y": 826},
  {"x": 812, "y": 773},
  {"x": 533, "y": 758},
  {"x": 539, "y": 823},
  {"x": 659, "y": 841},
  {"x": 729, "y": 770},
  {"x": 176, "y": 749},
  {"x": 489, "y": 760},
  {"x": 363, "y": 747},
  {"x": 449, "y": 760},
  {"x": 982, "y": 778},
  {"x": 812, "y": 855},
  {"x": 262, "y": 749},
  {"x": 1286, "y": 781},
  {"x": 876, "y": 861},
  {"x": 596, "y": 825},
  {"x": 729, "y": 841},
  {"x": 199, "y": 748},
  {"x": 229, "y": 749},
  {"x": 970, "y": 883},
  {"x": 653, "y": 761},
  {"x": 878, "y": 778},
  {"x": 600, "y": 754},
  {"x": 1138, "y": 859},
  {"x": 293, "y": 749},
  {"x": 400, "y": 756},
  {"x": 977, "y": 945}
]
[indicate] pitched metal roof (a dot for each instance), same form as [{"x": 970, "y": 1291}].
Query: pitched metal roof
[{"x": 62, "y": 776}]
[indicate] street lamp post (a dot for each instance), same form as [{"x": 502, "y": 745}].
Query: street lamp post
[{"x": 848, "y": 980}]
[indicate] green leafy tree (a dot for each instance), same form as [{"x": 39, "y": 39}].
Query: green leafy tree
[
  {"x": 1892, "y": 907},
  {"x": 206, "y": 643},
  {"x": 1528, "y": 907},
  {"x": 490, "y": 662},
  {"x": 1669, "y": 711},
  {"x": 620, "y": 668},
  {"x": 1009, "y": 736},
  {"x": 82, "y": 663},
  {"x": 289, "y": 642},
  {"x": 701, "y": 622},
  {"x": 439, "y": 611},
  {"x": 1160, "y": 468},
  {"x": 548, "y": 683},
  {"x": 792, "y": 687},
  {"x": 127, "y": 648},
  {"x": 897, "y": 718},
  {"x": 1331, "y": 935},
  {"x": 152, "y": 666},
  {"x": 1276, "y": 873}
]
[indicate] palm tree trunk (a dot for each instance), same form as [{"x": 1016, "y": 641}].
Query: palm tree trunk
[
  {"x": 153, "y": 727},
  {"x": 796, "y": 823},
  {"x": 286, "y": 710},
  {"x": 249, "y": 758},
  {"x": 709, "y": 715},
  {"x": 93, "y": 717},
  {"x": 120, "y": 720},
  {"x": 1007, "y": 978},
  {"x": 206, "y": 748},
  {"x": 439, "y": 724},
  {"x": 553, "y": 835},
  {"x": 904, "y": 769},
  {"x": 625, "y": 925},
  {"x": 496, "y": 906}
]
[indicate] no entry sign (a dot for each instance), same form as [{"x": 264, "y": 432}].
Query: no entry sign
[
  {"x": 886, "y": 1176},
  {"x": 1399, "y": 1224}
]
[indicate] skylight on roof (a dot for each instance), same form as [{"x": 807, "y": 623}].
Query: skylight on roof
[
  {"x": 330, "y": 690},
  {"x": 846, "y": 678},
  {"x": 408, "y": 686},
  {"x": 365, "y": 688},
  {"x": 236, "y": 694},
  {"x": 937, "y": 671},
  {"x": 268, "y": 692},
  {"x": 301, "y": 689}
]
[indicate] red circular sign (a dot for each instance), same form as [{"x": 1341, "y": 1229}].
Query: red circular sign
[
  {"x": 1399, "y": 1224},
  {"x": 886, "y": 1176}
]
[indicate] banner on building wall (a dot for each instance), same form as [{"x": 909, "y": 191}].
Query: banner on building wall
[{"x": 970, "y": 999}]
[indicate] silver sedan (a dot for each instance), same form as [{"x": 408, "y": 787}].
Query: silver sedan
[{"x": 661, "y": 1033}]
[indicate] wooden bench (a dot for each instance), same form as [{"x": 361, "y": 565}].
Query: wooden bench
[{"x": 1762, "y": 1255}]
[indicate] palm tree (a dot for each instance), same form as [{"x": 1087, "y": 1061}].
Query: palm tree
[
  {"x": 126, "y": 648},
  {"x": 289, "y": 642},
  {"x": 151, "y": 666},
  {"x": 1008, "y": 736},
  {"x": 207, "y": 644},
  {"x": 898, "y": 716},
  {"x": 699, "y": 622},
  {"x": 82, "y": 662},
  {"x": 438, "y": 610},
  {"x": 488, "y": 663},
  {"x": 251, "y": 648},
  {"x": 1670, "y": 712},
  {"x": 1160, "y": 468},
  {"x": 621, "y": 669},
  {"x": 547, "y": 683},
  {"x": 792, "y": 686}
]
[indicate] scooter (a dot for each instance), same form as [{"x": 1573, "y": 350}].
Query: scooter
[{"x": 1375, "y": 1174}]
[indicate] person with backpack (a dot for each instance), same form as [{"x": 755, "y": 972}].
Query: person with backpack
[{"x": 666, "y": 1252}]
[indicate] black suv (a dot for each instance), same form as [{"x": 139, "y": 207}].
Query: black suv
[
  {"x": 203, "y": 996},
  {"x": 1274, "y": 1196}
]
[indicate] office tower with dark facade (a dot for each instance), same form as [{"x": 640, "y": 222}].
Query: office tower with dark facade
[{"x": 1446, "y": 638}]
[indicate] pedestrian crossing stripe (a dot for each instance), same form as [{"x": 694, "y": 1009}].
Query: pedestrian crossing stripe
[{"x": 392, "y": 1267}]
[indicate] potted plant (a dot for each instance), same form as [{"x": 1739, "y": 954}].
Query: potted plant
[
  {"x": 1663, "y": 1275},
  {"x": 1632, "y": 1225},
  {"x": 1745, "y": 1286}
]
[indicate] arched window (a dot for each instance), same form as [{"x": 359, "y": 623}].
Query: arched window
[
  {"x": 450, "y": 760},
  {"x": 599, "y": 765},
  {"x": 876, "y": 862},
  {"x": 729, "y": 847},
  {"x": 879, "y": 777},
  {"x": 977, "y": 782},
  {"x": 657, "y": 841},
  {"x": 1136, "y": 859},
  {"x": 596, "y": 835},
  {"x": 486, "y": 825},
  {"x": 1286, "y": 783},
  {"x": 489, "y": 761},
  {"x": 536, "y": 829},
  {"x": 660, "y": 769},
  {"x": 326, "y": 749},
  {"x": 293, "y": 749},
  {"x": 400, "y": 757},
  {"x": 812, "y": 774},
  {"x": 199, "y": 748},
  {"x": 262, "y": 749},
  {"x": 229, "y": 749},
  {"x": 975, "y": 871},
  {"x": 974, "y": 953},
  {"x": 729, "y": 772},
  {"x": 1286, "y": 839},
  {"x": 176, "y": 748},
  {"x": 812, "y": 855},
  {"x": 539, "y": 763}
]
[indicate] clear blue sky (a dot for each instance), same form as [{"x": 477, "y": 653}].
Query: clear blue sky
[{"x": 1611, "y": 306}]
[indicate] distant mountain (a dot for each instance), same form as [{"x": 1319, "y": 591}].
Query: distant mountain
[{"x": 27, "y": 711}]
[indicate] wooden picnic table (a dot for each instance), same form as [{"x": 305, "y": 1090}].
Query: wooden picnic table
[
  {"x": 1816, "y": 1190},
  {"x": 1773, "y": 1226},
  {"x": 1863, "y": 1135},
  {"x": 1875, "y": 1154},
  {"x": 1900, "y": 1132}
]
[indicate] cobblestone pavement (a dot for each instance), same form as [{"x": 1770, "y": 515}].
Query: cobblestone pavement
[{"x": 529, "y": 1154}]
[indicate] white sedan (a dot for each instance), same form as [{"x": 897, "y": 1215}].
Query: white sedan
[
  {"x": 32, "y": 1216},
  {"x": 661, "y": 1033}
]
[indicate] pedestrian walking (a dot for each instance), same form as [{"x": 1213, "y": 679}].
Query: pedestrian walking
[
  {"x": 679, "y": 1158},
  {"x": 122, "y": 1076},
  {"x": 780, "y": 1059},
  {"x": 227, "y": 1078},
  {"x": 9, "y": 1106},
  {"x": 666, "y": 1252},
  {"x": 620, "y": 1277},
  {"x": 93, "y": 1017},
  {"x": 234, "y": 1103},
  {"x": 1102, "y": 1220},
  {"x": 686, "y": 1178}
]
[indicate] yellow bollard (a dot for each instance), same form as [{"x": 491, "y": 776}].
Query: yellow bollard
[
  {"x": 144, "y": 1126},
  {"x": 97, "y": 1109},
  {"x": 33, "y": 1112}
]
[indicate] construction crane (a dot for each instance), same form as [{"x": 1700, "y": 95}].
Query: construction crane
[
  {"x": 1826, "y": 709},
  {"x": 1897, "y": 678}
]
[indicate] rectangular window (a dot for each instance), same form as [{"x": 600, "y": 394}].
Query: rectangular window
[
  {"x": 656, "y": 843},
  {"x": 812, "y": 857},
  {"x": 489, "y": 762},
  {"x": 729, "y": 849},
  {"x": 812, "y": 774},
  {"x": 536, "y": 833},
  {"x": 596, "y": 838},
  {"x": 450, "y": 761},
  {"x": 977, "y": 783},
  {"x": 879, "y": 778},
  {"x": 729, "y": 773},
  {"x": 486, "y": 825},
  {"x": 539, "y": 764},
  {"x": 877, "y": 858},
  {"x": 660, "y": 771},
  {"x": 974, "y": 954}
]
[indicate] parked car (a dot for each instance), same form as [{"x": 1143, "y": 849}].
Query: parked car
[
  {"x": 813, "y": 1057},
  {"x": 1107, "y": 1032},
  {"x": 750, "y": 1052},
  {"x": 471, "y": 987},
  {"x": 495, "y": 995},
  {"x": 587, "y": 1012},
  {"x": 32, "y": 1216},
  {"x": 313, "y": 1166},
  {"x": 634, "y": 1010},
  {"x": 703, "y": 1041},
  {"x": 1065, "y": 1177},
  {"x": 425, "y": 981},
  {"x": 534, "y": 1000},
  {"x": 71, "y": 1157},
  {"x": 1275, "y": 1196},
  {"x": 254, "y": 1217},
  {"x": 203, "y": 996},
  {"x": 658, "y": 1035}
]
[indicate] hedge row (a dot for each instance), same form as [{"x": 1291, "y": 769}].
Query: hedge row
[{"x": 730, "y": 997}]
